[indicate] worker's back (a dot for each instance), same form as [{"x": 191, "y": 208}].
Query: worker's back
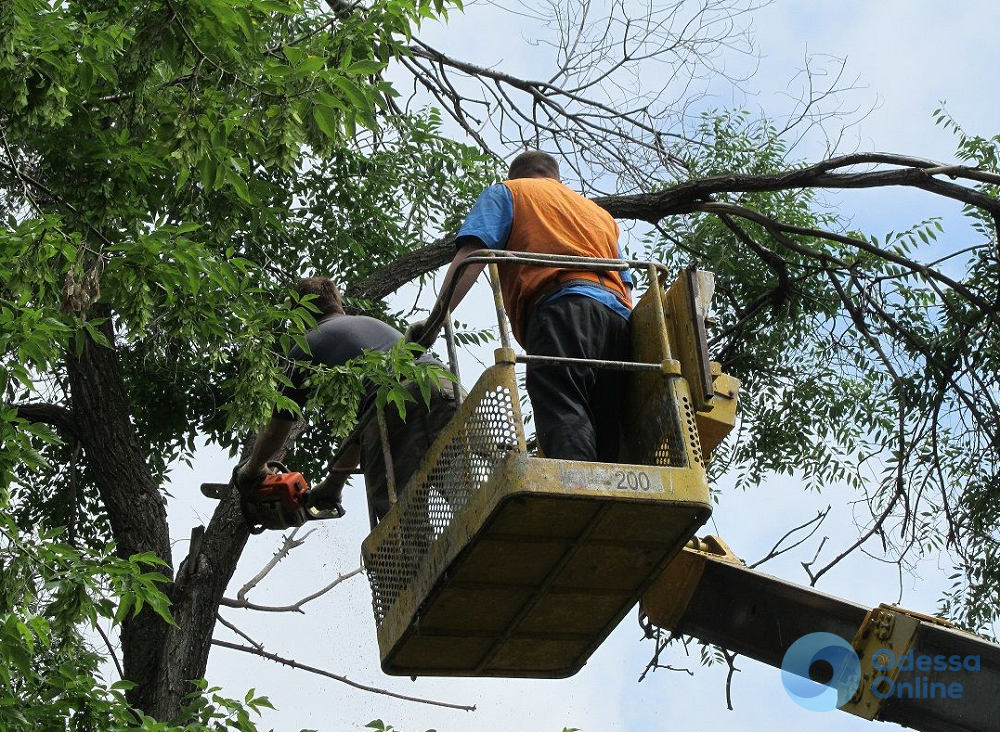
[{"x": 550, "y": 218}]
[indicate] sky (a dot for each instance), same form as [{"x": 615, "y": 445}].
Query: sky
[{"x": 906, "y": 57}]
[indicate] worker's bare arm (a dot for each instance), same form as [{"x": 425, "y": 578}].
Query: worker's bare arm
[
  {"x": 269, "y": 442},
  {"x": 467, "y": 277},
  {"x": 328, "y": 493}
]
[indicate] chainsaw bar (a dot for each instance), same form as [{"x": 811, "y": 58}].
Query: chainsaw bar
[{"x": 218, "y": 491}]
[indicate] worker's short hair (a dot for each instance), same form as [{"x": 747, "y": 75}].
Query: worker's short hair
[
  {"x": 534, "y": 164},
  {"x": 327, "y": 295}
]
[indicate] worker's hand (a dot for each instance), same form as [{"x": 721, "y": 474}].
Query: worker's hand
[
  {"x": 247, "y": 478},
  {"x": 328, "y": 495},
  {"x": 416, "y": 331}
]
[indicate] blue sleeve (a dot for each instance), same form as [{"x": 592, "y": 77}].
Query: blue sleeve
[
  {"x": 490, "y": 219},
  {"x": 626, "y": 275}
]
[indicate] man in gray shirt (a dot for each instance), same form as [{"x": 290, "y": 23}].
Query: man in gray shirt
[{"x": 337, "y": 339}]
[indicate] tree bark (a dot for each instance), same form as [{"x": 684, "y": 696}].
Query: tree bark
[
  {"x": 51, "y": 414},
  {"x": 201, "y": 581},
  {"x": 407, "y": 268},
  {"x": 130, "y": 495}
]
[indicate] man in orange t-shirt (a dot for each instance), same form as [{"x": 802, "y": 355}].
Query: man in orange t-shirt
[{"x": 554, "y": 311}]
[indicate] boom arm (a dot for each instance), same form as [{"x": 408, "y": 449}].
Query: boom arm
[{"x": 709, "y": 594}]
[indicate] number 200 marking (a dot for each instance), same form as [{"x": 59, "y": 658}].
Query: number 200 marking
[{"x": 629, "y": 480}]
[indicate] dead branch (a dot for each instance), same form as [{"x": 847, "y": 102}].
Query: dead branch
[
  {"x": 874, "y": 529},
  {"x": 337, "y": 677},
  {"x": 240, "y": 633},
  {"x": 662, "y": 640},
  {"x": 731, "y": 662},
  {"x": 293, "y": 608},
  {"x": 776, "y": 552},
  {"x": 588, "y": 99},
  {"x": 289, "y": 543}
]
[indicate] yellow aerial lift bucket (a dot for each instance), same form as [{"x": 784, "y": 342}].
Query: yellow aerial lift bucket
[{"x": 495, "y": 562}]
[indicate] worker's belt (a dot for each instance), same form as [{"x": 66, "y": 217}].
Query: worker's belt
[{"x": 564, "y": 284}]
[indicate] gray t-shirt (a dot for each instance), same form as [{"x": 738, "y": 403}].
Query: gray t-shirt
[{"x": 336, "y": 341}]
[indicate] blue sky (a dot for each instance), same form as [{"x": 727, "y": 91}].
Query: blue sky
[{"x": 907, "y": 57}]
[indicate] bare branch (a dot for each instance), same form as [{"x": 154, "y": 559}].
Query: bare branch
[
  {"x": 818, "y": 520},
  {"x": 240, "y": 633},
  {"x": 295, "y": 607},
  {"x": 731, "y": 662},
  {"x": 337, "y": 677},
  {"x": 289, "y": 543},
  {"x": 111, "y": 650},
  {"x": 662, "y": 640}
]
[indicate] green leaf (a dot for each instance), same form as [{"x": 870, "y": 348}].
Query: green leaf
[
  {"x": 365, "y": 67},
  {"x": 124, "y": 605},
  {"x": 353, "y": 92},
  {"x": 327, "y": 120},
  {"x": 311, "y": 65},
  {"x": 208, "y": 170},
  {"x": 239, "y": 185}
]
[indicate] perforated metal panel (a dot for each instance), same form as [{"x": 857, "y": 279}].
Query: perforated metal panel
[
  {"x": 486, "y": 428},
  {"x": 497, "y": 564}
]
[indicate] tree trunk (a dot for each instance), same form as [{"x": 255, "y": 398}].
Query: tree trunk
[
  {"x": 201, "y": 581},
  {"x": 127, "y": 489}
]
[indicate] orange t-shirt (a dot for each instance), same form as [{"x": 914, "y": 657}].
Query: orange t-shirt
[{"x": 550, "y": 218}]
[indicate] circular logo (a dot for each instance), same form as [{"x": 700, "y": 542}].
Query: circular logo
[{"x": 821, "y": 672}]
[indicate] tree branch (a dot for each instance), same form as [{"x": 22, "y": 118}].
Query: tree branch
[
  {"x": 818, "y": 519},
  {"x": 695, "y": 195},
  {"x": 338, "y": 677},
  {"x": 50, "y": 414},
  {"x": 289, "y": 543},
  {"x": 918, "y": 173},
  {"x": 294, "y": 608},
  {"x": 390, "y": 278}
]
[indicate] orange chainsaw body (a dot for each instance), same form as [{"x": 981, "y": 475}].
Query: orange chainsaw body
[{"x": 279, "y": 502}]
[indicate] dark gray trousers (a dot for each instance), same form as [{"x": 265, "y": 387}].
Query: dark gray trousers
[
  {"x": 409, "y": 441},
  {"x": 577, "y": 408}
]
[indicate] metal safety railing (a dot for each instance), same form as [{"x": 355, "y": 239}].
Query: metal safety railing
[
  {"x": 440, "y": 314},
  {"x": 440, "y": 318}
]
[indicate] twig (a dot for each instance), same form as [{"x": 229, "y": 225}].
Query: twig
[
  {"x": 290, "y": 542},
  {"x": 818, "y": 520},
  {"x": 338, "y": 677},
  {"x": 807, "y": 565},
  {"x": 111, "y": 650},
  {"x": 731, "y": 660},
  {"x": 294, "y": 608},
  {"x": 240, "y": 633},
  {"x": 661, "y": 644}
]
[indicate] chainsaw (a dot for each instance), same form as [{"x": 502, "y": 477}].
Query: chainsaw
[{"x": 280, "y": 500}]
